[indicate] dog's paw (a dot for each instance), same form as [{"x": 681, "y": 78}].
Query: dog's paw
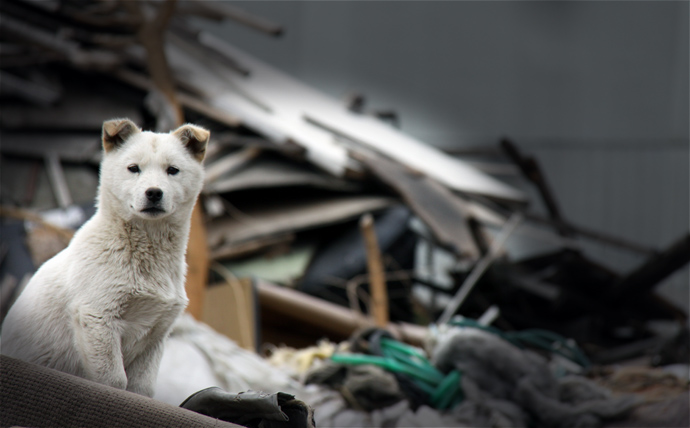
[
  {"x": 137, "y": 388},
  {"x": 116, "y": 381}
]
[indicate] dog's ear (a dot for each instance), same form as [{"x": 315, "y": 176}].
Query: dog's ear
[
  {"x": 194, "y": 138},
  {"x": 116, "y": 132}
]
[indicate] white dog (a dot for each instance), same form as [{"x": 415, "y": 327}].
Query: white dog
[{"x": 101, "y": 308}]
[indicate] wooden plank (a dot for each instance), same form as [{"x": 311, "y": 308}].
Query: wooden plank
[
  {"x": 335, "y": 318},
  {"x": 451, "y": 172},
  {"x": 377, "y": 281},
  {"x": 197, "y": 264},
  {"x": 203, "y": 108},
  {"x": 272, "y": 173},
  {"x": 224, "y": 91},
  {"x": 229, "y": 163},
  {"x": 230, "y": 250},
  {"x": 284, "y": 107},
  {"x": 287, "y": 216}
]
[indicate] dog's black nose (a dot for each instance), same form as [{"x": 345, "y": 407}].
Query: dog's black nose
[{"x": 154, "y": 194}]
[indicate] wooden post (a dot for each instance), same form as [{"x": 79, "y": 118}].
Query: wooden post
[
  {"x": 197, "y": 264},
  {"x": 377, "y": 281}
]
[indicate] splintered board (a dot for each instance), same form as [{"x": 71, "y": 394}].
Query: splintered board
[{"x": 286, "y": 110}]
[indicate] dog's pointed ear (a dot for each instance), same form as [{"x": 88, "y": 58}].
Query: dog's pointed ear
[
  {"x": 116, "y": 132},
  {"x": 194, "y": 138}
]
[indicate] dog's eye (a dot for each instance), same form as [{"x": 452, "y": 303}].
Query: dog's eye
[
  {"x": 134, "y": 168},
  {"x": 172, "y": 170}
]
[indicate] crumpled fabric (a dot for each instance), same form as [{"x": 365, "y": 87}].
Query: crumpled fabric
[
  {"x": 503, "y": 386},
  {"x": 197, "y": 357},
  {"x": 479, "y": 409},
  {"x": 365, "y": 387},
  {"x": 507, "y": 386}
]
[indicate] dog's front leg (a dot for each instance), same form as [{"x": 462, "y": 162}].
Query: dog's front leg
[
  {"x": 98, "y": 343},
  {"x": 143, "y": 371}
]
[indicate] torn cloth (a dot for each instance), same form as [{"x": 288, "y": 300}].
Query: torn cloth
[{"x": 508, "y": 386}]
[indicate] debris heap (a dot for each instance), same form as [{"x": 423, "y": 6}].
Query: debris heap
[{"x": 290, "y": 172}]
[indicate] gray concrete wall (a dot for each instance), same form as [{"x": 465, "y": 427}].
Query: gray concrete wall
[{"x": 597, "y": 90}]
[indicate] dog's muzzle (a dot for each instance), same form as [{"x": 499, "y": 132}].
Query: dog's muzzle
[{"x": 154, "y": 195}]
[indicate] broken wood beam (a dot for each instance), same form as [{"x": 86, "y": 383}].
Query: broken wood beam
[
  {"x": 377, "y": 281},
  {"x": 657, "y": 268},
  {"x": 334, "y": 318},
  {"x": 531, "y": 169},
  {"x": 363, "y": 132}
]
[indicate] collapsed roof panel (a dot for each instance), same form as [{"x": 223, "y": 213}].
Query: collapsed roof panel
[
  {"x": 225, "y": 91},
  {"x": 283, "y": 109}
]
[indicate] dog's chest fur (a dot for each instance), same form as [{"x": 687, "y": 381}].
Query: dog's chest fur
[
  {"x": 145, "y": 266},
  {"x": 140, "y": 273}
]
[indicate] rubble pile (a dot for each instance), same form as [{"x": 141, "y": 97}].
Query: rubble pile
[{"x": 289, "y": 174}]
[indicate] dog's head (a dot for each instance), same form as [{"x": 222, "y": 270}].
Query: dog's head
[{"x": 151, "y": 175}]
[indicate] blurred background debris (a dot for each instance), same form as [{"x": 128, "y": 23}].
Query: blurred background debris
[{"x": 473, "y": 229}]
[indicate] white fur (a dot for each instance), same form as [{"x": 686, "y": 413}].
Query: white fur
[{"x": 101, "y": 308}]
